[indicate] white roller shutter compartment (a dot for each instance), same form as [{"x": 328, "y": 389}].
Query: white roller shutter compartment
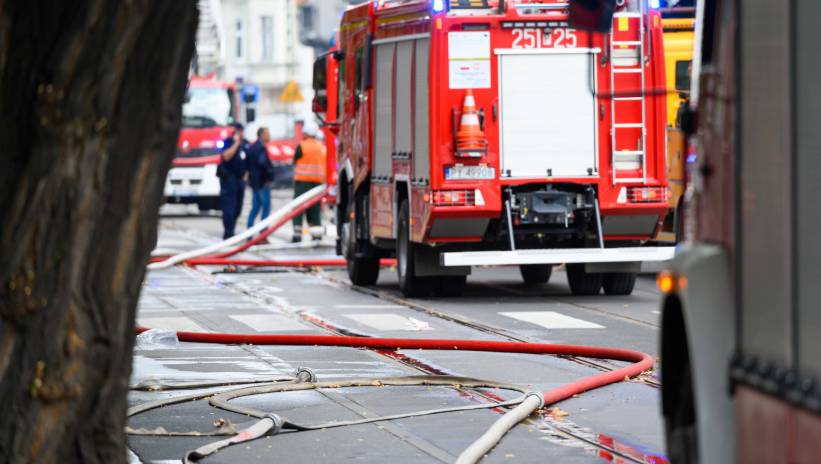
[{"x": 548, "y": 114}]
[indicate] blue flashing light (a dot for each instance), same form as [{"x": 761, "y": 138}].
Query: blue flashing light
[
  {"x": 438, "y": 6},
  {"x": 655, "y": 3},
  {"x": 220, "y": 144}
]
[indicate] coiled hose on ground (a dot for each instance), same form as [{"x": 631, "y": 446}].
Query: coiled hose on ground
[{"x": 640, "y": 362}]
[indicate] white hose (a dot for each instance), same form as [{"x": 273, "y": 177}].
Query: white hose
[
  {"x": 479, "y": 448},
  {"x": 164, "y": 252},
  {"x": 277, "y": 216}
]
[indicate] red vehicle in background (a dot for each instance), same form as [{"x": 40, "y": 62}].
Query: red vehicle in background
[
  {"x": 475, "y": 133},
  {"x": 325, "y": 105},
  {"x": 210, "y": 109}
]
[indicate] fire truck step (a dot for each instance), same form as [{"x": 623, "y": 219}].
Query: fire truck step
[
  {"x": 627, "y": 98},
  {"x": 558, "y": 256},
  {"x": 627, "y": 42},
  {"x": 626, "y": 70}
]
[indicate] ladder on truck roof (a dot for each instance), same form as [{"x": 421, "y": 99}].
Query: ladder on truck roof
[{"x": 637, "y": 155}]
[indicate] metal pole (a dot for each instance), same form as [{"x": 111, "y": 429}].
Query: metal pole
[
  {"x": 598, "y": 220},
  {"x": 509, "y": 222}
]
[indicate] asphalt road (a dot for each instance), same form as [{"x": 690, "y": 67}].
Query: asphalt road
[{"x": 618, "y": 423}]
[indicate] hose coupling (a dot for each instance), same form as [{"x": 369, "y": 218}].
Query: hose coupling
[
  {"x": 538, "y": 395},
  {"x": 278, "y": 423},
  {"x": 305, "y": 374}
]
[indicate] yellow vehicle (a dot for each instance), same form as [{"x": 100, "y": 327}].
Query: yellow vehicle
[{"x": 678, "y": 56}]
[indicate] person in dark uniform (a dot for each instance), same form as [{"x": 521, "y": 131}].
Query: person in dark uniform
[
  {"x": 231, "y": 171},
  {"x": 260, "y": 176}
]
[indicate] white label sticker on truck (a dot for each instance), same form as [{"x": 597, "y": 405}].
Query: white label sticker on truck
[{"x": 469, "y": 60}]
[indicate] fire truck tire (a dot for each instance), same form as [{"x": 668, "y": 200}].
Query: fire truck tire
[
  {"x": 449, "y": 285},
  {"x": 581, "y": 282},
  {"x": 410, "y": 284},
  {"x": 363, "y": 271},
  {"x": 618, "y": 283},
  {"x": 680, "y": 426},
  {"x": 534, "y": 274}
]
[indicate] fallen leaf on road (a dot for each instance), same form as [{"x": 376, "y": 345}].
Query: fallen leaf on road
[{"x": 557, "y": 413}]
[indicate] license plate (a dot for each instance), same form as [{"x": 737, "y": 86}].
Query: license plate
[
  {"x": 183, "y": 192},
  {"x": 470, "y": 173},
  {"x": 187, "y": 173}
]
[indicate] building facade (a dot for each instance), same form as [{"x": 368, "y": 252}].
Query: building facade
[{"x": 256, "y": 42}]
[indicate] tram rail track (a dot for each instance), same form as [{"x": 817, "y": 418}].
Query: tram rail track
[
  {"x": 541, "y": 422},
  {"x": 466, "y": 322}
]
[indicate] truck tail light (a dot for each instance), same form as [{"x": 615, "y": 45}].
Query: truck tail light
[
  {"x": 669, "y": 282},
  {"x": 454, "y": 198},
  {"x": 647, "y": 194}
]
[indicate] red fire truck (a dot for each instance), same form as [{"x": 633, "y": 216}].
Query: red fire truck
[
  {"x": 210, "y": 109},
  {"x": 326, "y": 108},
  {"x": 491, "y": 133},
  {"x": 740, "y": 322}
]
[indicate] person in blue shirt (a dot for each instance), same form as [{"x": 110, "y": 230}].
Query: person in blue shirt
[
  {"x": 260, "y": 176},
  {"x": 231, "y": 171}
]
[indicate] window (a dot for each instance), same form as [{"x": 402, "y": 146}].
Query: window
[
  {"x": 267, "y": 38},
  {"x": 240, "y": 33},
  {"x": 683, "y": 70},
  {"x": 208, "y": 107},
  {"x": 308, "y": 17},
  {"x": 340, "y": 96}
]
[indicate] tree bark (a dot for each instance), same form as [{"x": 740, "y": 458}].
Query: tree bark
[{"x": 90, "y": 100}]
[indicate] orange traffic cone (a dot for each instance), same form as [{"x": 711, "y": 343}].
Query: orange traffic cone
[{"x": 470, "y": 140}]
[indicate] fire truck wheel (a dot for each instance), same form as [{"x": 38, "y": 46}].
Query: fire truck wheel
[
  {"x": 449, "y": 285},
  {"x": 534, "y": 274},
  {"x": 361, "y": 270},
  {"x": 619, "y": 283},
  {"x": 581, "y": 282},
  {"x": 410, "y": 284}
]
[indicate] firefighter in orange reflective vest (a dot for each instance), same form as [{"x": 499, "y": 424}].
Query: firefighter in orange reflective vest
[{"x": 309, "y": 171}]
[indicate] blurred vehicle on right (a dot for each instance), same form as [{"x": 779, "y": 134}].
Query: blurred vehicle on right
[
  {"x": 740, "y": 351},
  {"x": 740, "y": 344}
]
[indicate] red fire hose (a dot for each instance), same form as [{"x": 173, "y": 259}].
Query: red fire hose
[
  {"x": 640, "y": 361},
  {"x": 473, "y": 454},
  {"x": 301, "y": 208},
  {"x": 327, "y": 262},
  {"x": 264, "y": 235}
]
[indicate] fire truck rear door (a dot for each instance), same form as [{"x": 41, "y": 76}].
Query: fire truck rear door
[{"x": 548, "y": 116}]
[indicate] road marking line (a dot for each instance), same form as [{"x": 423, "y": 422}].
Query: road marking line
[
  {"x": 178, "y": 323},
  {"x": 268, "y": 322},
  {"x": 372, "y": 306},
  {"x": 552, "y": 320},
  {"x": 390, "y": 322}
]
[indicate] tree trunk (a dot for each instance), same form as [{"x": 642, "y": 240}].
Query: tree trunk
[{"x": 90, "y": 99}]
